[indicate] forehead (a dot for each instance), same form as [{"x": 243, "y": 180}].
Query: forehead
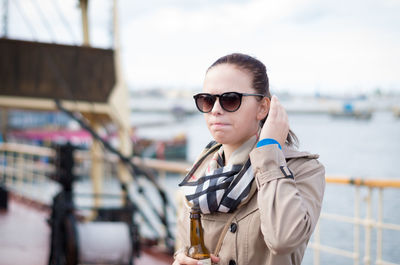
[{"x": 227, "y": 78}]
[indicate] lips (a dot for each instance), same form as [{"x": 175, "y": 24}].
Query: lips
[{"x": 219, "y": 124}]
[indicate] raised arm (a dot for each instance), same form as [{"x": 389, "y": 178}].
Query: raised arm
[{"x": 289, "y": 207}]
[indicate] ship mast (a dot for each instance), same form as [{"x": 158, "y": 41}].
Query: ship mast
[
  {"x": 85, "y": 22},
  {"x": 119, "y": 108},
  {"x": 119, "y": 101}
]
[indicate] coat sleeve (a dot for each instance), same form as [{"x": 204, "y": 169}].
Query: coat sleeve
[{"x": 289, "y": 208}]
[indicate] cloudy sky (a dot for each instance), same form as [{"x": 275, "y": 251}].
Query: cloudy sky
[{"x": 308, "y": 46}]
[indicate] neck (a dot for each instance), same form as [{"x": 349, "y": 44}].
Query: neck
[{"x": 228, "y": 150}]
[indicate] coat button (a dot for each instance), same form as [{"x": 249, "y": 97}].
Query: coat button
[
  {"x": 233, "y": 227},
  {"x": 232, "y": 262}
]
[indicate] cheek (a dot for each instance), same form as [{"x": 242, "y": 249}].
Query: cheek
[
  {"x": 248, "y": 117},
  {"x": 248, "y": 124},
  {"x": 207, "y": 119}
]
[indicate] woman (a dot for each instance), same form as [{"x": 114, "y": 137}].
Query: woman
[{"x": 260, "y": 198}]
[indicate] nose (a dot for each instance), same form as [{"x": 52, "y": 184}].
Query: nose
[{"x": 217, "y": 109}]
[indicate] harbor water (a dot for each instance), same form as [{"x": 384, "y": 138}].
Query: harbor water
[
  {"x": 351, "y": 147},
  {"x": 347, "y": 147}
]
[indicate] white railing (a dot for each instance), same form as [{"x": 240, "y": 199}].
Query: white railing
[
  {"x": 24, "y": 168},
  {"x": 368, "y": 223},
  {"x": 27, "y": 170}
]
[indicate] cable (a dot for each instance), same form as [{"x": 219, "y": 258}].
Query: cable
[
  {"x": 24, "y": 18},
  {"x": 44, "y": 20},
  {"x": 133, "y": 169},
  {"x": 63, "y": 19},
  {"x": 5, "y": 18}
]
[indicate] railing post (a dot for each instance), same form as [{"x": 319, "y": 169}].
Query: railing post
[
  {"x": 30, "y": 173},
  {"x": 316, "y": 244},
  {"x": 3, "y": 167},
  {"x": 368, "y": 224},
  {"x": 379, "y": 228},
  {"x": 163, "y": 175},
  {"x": 357, "y": 226},
  {"x": 20, "y": 169},
  {"x": 9, "y": 168},
  {"x": 40, "y": 176}
]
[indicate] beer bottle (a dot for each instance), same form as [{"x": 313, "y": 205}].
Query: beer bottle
[{"x": 197, "y": 249}]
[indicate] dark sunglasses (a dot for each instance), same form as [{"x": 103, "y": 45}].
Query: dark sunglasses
[{"x": 229, "y": 101}]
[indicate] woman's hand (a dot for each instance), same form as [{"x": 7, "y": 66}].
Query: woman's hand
[
  {"x": 181, "y": 259},
  {"x": 277, "y": 124}
]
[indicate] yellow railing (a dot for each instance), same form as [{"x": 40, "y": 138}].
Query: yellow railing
[{"x": 23, "y": 166}]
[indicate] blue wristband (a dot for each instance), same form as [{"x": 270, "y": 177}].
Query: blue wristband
[{"x": 268, "y": 141}]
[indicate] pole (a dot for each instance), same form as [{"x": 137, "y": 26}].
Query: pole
[
  {"x": 119, "y": 101},
  {"x": 5, "y": 18},
  {"x": 85, "y": 24}
]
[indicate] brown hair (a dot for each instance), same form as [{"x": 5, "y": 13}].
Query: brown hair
[{"x": 260, "y": 80}]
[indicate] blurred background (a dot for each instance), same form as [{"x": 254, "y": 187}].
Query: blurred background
[
  {"x": 116, "y": 78},
  {"x": 309, "y": 46}
]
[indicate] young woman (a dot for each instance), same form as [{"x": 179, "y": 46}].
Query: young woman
[{"x": 259, "y": 197}]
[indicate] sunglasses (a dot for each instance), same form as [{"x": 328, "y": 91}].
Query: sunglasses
[{"x": 229, "y": 101}]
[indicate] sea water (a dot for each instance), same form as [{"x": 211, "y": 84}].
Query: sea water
[{"x": 368, "y": 149}]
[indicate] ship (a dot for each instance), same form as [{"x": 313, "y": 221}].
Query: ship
[
  {"x": 85, "y": 84},
  {"x": 93, "y": 202}
]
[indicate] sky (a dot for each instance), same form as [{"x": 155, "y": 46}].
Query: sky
[{"x": 308, "y": 46}]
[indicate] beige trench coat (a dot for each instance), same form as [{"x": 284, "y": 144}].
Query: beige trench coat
[{"x": 275, "y": 224}]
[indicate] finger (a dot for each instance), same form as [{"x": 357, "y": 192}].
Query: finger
[
  {"x": 273, "y": 107},
  {"x": 183, "y": 259},
  {"x": 285, "y": 115},
  {"x": 278, "y": 106},
  {"x": 278, "y": 110},
  {"x": 214, "y": 258},
  {"x": 281, "y": 111}
]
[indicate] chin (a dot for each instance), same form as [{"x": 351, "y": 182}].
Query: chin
[
  {"x": 218, "y": 137},
  {"x": 221, "y": 138}
]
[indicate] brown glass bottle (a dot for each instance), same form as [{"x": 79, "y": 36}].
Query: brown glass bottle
[{"x": 197, "y": 249}]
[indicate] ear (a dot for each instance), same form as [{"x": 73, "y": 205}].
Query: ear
[{"x": 263, "y": 108}]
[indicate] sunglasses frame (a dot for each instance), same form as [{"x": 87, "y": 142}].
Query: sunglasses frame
[{"x": 215, "y": 96}]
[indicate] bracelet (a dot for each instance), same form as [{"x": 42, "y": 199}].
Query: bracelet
[{"x": 268, "y": 141}]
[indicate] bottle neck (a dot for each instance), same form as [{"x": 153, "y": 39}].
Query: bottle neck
[{"x": 196, "y": 230}]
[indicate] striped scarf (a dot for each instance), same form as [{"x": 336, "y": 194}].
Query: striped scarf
[{"x": 214, "y": 187}]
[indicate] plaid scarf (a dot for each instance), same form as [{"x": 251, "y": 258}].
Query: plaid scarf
[{"x": 214, "y": 187}]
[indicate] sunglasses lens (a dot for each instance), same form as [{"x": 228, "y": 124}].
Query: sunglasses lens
[
  {"x": 205, "y": 103},
  {"x": 230, "y": 101}
]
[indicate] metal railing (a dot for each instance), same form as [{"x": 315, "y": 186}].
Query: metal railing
[
  {"x": 27, "y": 169},
  {"x": 368, "y": 222},
  {"x": 24, "y": 166}
]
